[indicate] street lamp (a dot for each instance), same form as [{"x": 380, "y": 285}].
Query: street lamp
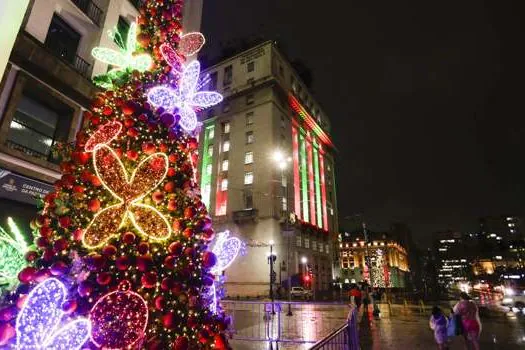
[
  {"x": 271, "y": 260},
  {"x": 281, "y": 161}
]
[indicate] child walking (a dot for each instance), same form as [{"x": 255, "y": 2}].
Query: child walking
[{"x": 438, "y": 323}]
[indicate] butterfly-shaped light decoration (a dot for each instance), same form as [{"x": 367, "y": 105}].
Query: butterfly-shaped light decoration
[
  {"x": 183, "y": 99},
  {"x": 39, "y": 325},
  {"x": 148, "y": 174},
  {"x": 104, "y": 135},
  {"x": 226, "y": 249},
  {"x": 189, "y": 45},
  {"x": 12, "y": 250},
  {"x": 126, "y": 57}
]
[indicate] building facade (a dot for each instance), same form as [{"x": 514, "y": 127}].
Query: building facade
[
  {"x": 266, "y": 162},
  {"x": 453, "y": 258},
  {"x": 47, "y": 86},
  {"x": 388, "y": 260}
]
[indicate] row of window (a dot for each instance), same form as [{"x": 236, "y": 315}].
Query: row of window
[
  {"x": 248, "y": 180},
  {"x": 316, "y": 246}
]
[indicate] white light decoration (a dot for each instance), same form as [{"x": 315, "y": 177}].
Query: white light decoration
[
  {"x": 39, "y": 323},
  {"x": 126, "y": 57},
  {"x": 189, "y": 45},
  {"x": 226, "y": 249},
  {"x": 183, "y": 99}
]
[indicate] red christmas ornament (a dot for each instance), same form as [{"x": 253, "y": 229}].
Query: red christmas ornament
[
  {"x": 94, "y": 205},
  {"x": 132, "y": 154},
  {"x": 27, "y": 274},
  {"x": 181, "y": 343},
  {"x": 104, "y": 278},
  {"x": 157, "y": 197},
  {"x": 107, "y": 315},
  {"x": 209, "y": 260},
  {"x": 149, "y": 279},
  {"x": 189, "y": 212},
  {"x": 169, "y": 186},
  {"x": 122, "y": 263}
]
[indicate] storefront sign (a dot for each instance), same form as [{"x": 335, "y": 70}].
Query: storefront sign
[{"x": 20, "y": 188}]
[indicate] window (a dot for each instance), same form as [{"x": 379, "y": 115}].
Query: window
[
  {"x": 248, "y": 199},
  {"x": 62, "y": 39},
  {"x": 306, "y": 243},
  {"x": 314, "y": 245},
  {"x": 284, "y": 181},
  {"x": 225, "y": 107},
  {"x": 283, "y": 124},
  {"x": 224, "y": 184},
  {"x": 326, "y": 249},
  {"x": 249, "y": 118},
  {"x": 298, "y": 241},
  {"x": 209, "y": 168},
  {"x": 210, "y": 151},
  {"x": 211, "y": 133},
  {"x": 39, "y": 122},
  {"x": 212, "y": 85},
  {"x": 225, "y": 165},
  {"x": 249, "y": 99},
  {"x": 226, "y": 146},
  {"x": 228, "y": 75},
  {"x": 248, "y": 157},
  {"x": 122, "y": 30},
  {"x": 249, "y": 137},
  {"x": 284, "y": 203},
  {"x": 250, "y": 67},
  {"x": 226, "y": 127},
  {"x": 248, "y": 178}
]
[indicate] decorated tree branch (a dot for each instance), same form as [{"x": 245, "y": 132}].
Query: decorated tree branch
[{"x": 123, "y": 256}]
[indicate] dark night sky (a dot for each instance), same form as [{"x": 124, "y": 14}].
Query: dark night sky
[{"x": 426, "y": 100}]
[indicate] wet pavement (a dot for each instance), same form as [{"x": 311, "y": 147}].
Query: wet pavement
[{"x": 397, "y": 327}]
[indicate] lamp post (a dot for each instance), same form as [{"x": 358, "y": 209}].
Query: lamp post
[
  {"x": 282, "y": 161},
  {"x": 271, "y": 260}
]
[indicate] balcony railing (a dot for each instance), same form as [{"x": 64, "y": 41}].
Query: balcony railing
[
  {"x": 82, "y": 66},
  {"x": 90, "y": 9},
  {"x": 245, "y": 215}
]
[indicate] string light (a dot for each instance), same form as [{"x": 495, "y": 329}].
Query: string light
[
  {"x": 191, "y": 43},
  {"x": 38, "y": 325},
  {"x": 226, "y": 249},
  {"x": 104, "y": 135},
  {"x": 145, "y": 178},
  {"x": 119, "y": 319},
  {"x": 184, "y": 97},
  {"x": 126, "y": 58}
]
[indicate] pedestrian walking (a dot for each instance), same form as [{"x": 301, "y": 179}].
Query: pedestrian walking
[
  {"x": 439, "y": 324},
  {"x": 366, "y": 299},
  {"x": 355, "y": 293},
  {"x": 471, "y": 324}
]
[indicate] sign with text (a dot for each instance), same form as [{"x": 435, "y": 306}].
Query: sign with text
[{"x": 21, "y": 188}]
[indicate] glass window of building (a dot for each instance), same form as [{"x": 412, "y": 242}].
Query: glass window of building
[
  {"x": 224, "y": 184},
  {"x": 228, "y": 75},
  {"x": 226, "y": 127},
  {"x": 248, "y": 157},
  {"x": 250, "y": 99},
  {"x": 250, "y": 138},
  {"x": 225, "y": 164},
  {"x": 62, "y": 39},
  {"x": 250, "y": 67},
  {"x": 248, "y": 199},
  {"x": 249, "y": 118},
  {"x": 39, "y": 122},
  {"x": 210, "y": 151},
  {"x": 226, "y": 146},
  {"x": 122, "y": 29},
  {"x": 209, "y": 169},
  {"x": 248, "y": 178},
  {"x": 212, "y": 85},
  {"x": 298, "y": 241}
]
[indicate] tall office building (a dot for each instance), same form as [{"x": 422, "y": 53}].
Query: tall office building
[
  {"x": 453, "y": 257},
  {"x": 266, "y": 159},
  {"x": 47, "y": 86}
]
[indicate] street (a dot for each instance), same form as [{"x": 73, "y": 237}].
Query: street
[{"x": 405, "y": 328}]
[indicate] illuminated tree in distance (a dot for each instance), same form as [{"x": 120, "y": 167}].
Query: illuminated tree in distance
[{"x": 123, "y": 247}]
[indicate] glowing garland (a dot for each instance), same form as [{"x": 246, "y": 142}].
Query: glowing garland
[
  {"x": 189, "y": 45},
  {"x": 38, "y": 325},
  {"x": 145, "y": 178},
  {"x": 183, "y": 99},
  {"x": 126, "y": 58},
  {"x": 12, "y": 250},
  {"x": 107, "y": 315}
]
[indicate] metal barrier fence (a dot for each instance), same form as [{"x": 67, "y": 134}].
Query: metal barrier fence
[
  {"x": 266, "y": 322},
  {"x": 345, "y": 337}
]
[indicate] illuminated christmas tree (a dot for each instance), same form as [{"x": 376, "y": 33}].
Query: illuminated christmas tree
[{"x": 123, "y": 257}]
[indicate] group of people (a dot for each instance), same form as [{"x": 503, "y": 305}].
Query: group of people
[
  {"x": 463, "y": 320},
  {"x": 363, "y": 296}
]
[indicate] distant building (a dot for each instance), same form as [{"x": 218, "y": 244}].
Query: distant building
[
  {"x": 500, "y": 228},
  {"x": 267, "y": 112},
  {"x": 388, "y": 259},
  {"x": 452, "y": 258}
]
